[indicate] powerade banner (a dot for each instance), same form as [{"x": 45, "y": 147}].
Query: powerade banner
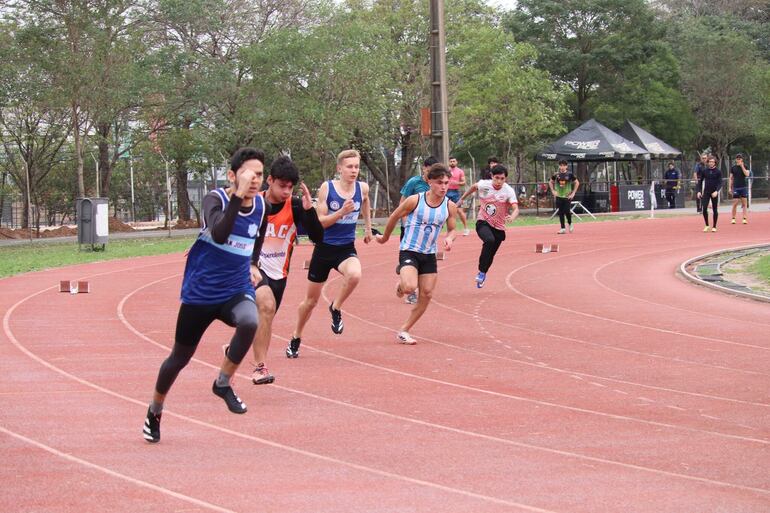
[{"x": 634, "y": 197}]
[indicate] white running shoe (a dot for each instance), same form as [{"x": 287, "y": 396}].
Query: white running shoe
[
  {"x": 402, "y": 337},
  {"x": 466, "y": 232},
  {"x": 561, "y": 232},
  {"x": 571, "y": 228}
]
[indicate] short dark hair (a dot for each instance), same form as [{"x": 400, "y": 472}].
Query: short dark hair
[
  {"x": 562, "y": 161},
  {"x": 283, "y": 168},
  {"x": 241, "y": 155},
  {"x": 429, "y": 161},
  {"x": 492, "y": 159},
  {"x": 438, "y": 170},
  {"x": 499, "y": 170}
]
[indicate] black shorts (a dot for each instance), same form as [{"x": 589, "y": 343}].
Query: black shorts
[
  {"x": 277, "y": 286},
  {"x": 425, "y": 263},
  {"x": 327, "y": 257},
  {"x": 740, "y": 192}
]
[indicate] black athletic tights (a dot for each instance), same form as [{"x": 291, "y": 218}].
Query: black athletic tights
[
  {"x": 193, "y": 320},
  {"x": 705, "y": 206},
  {"x": 491, "y": 238},
  {"x": 563, "y": 205}
]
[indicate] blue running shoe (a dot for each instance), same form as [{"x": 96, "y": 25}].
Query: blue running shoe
[{"x": 480, "y": 279}]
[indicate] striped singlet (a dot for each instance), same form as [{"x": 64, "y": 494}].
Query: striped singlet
[{"x": 423, "y": 226}]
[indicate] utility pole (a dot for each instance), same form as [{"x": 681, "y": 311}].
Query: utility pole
[{"x": 438, "y": 101}]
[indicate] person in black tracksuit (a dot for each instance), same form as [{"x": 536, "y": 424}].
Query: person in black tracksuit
[
  {"x": 672, "y": 184},
  {"x": 697, "y": 176},
  {"x": 709, "y": 185}
]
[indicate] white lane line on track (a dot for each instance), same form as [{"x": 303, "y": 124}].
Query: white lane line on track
[
  {"x": 562, "y": 371},
  {"x": 611, "y": 348},
  {"x": 555, "y": 451},
  {"x": 509, "y": 283},
  {"x": 112, "y": 473},
  {"x": 400, "y": 477},
  {"x": 441, "y": 426},
  {"x": 666, "y": 306}
]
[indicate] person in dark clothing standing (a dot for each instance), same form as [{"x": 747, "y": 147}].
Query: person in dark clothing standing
[
  {"x": 697, "y": 173},
  {"x": 739, "y": 186},
  {"x": 709, "y": 186},
  {"x": 671, "y": 184},
  {"x": 564, "y": 185},
  {"x": 486, "y": 173}
]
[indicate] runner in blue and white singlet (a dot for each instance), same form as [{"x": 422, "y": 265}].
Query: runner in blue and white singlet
[
  {"x": 218, "y": 284},
  {"x": 216, "y": 272},
  {"x": 340, "y": 203},
  {"x": 425, "y": 214},
  {"x": 423, "y": 226},
  {"x": 344, "y": 230}
]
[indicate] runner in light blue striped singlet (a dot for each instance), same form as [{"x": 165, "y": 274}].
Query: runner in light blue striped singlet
[{"x": 423, "y": 226}]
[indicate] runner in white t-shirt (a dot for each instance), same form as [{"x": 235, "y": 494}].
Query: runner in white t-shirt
[{"x": 498, "y": 206}]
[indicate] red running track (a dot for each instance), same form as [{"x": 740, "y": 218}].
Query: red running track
[{"x": 590, "y": 380}]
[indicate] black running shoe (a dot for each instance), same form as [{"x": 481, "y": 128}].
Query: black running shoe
[
  {"x": 292, "y": 350},
  {"x": 233, "y": 402},
  {"x": 151, "y": 430},
  {"x": 337, "y": 324}
]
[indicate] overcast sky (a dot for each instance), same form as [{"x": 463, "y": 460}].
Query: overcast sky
[{"x": 507, "y": 4}]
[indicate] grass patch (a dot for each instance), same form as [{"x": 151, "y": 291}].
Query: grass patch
[
  {"x": 762, "y": 268},
  {"x": 39, "y": 256}
]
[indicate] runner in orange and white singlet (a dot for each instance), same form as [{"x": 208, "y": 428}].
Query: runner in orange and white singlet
[{"x": 287, "y": 213}]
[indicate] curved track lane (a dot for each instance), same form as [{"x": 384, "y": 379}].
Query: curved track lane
[{"x": 589, "y": 380}]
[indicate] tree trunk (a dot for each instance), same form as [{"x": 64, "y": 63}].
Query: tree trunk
[
  {"x": 105, "y": 163},
  {"x": 78, "y": 150},
  {"x": 182, "y": 196}
]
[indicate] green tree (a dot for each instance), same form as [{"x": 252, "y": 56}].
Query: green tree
[
  {"x": 728, "y": 107},
  {"x": 650, "y": 95},
  {"x": 33, "y": 120},
  {"x": 586, "y": 44},
  {"x": 501, "y": 102}
]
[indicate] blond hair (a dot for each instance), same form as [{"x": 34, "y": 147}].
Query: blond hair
[{"x": 347, "y": 154}]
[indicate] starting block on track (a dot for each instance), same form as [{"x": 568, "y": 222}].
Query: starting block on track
[
  {"x": 306, "y": 264},
  {"x": 546, "y": 248},
  {"x": 74, "y": 287},
  {"x": 440, "y": 255}
]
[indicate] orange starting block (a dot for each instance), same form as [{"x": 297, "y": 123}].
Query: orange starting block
[
  {"x": 546, "y": 248},
  {"x": 74, "y": 287}
]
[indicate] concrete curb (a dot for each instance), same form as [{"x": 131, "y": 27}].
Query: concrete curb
[{"x": 699, "y": 281}]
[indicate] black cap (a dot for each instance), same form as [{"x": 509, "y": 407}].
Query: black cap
[{"x": 739, "y": 156}]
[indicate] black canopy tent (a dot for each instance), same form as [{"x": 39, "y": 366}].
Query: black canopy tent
[
  {"x": 659, "y": 151},
  {"x": 593, "y": 142}
]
